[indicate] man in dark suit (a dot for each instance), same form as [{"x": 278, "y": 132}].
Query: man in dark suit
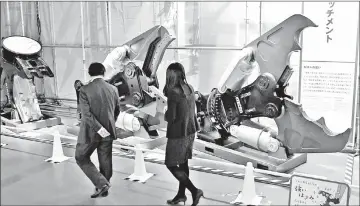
[{"x": 100, "y": 106}]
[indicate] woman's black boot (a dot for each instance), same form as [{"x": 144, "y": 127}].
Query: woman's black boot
[
  {"x": 177, "y": 200},
  {"x": 197, "y": 196}
]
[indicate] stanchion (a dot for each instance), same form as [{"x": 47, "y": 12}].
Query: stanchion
[
  {"x": 248, "y": 194},
  {"x": 57, "y": 153},
  {"x": 140, "y": 174},
  {"x": 349, "y": 169}
]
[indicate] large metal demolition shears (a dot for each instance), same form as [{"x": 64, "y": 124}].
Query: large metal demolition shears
[{"x": 253, "y": 85}]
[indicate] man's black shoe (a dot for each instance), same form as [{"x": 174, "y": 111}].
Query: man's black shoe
[
  {"x": 105, "y": 194},
  {"x": 101, "y": 192}
]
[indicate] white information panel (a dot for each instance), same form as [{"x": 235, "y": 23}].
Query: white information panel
[
  {"x": 335, "y": 37},
  {"x": 311, "y": 191},
  {"x": 327, "y": 91},
  {"x": 328, "y": 62}
]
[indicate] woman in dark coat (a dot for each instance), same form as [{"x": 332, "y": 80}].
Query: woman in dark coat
[{"x": 181, "y": 129}]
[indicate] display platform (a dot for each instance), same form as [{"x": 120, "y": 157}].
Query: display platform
[{"x": 23, "y": 167}]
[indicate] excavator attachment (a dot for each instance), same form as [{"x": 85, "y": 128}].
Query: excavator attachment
[
  {"x": 143, "y": 55},
  {"x": 267, "y": 58},
  {"x": 300, "y": 134},
  {"x": 296, "y": 130},
  {"x": 255, "y": 86},
  {"x": 272, "y": 50},
  {"x": 149, "y": 47},
  {"x": 23, "y": 54},
  {"x": 136, "y": 63},
  {"x": 22, "y": 62}
]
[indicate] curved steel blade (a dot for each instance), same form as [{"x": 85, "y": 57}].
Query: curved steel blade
[
  {"x": 302, "y": 135},
  {"x": 150, "y": 47},
  {"x": 272, "y": 50}
]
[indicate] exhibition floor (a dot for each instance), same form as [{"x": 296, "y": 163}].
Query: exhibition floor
[{"x": 27, "y": 179}]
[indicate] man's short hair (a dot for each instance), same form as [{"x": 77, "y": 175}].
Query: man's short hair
[{"x": 96, "y": 69}]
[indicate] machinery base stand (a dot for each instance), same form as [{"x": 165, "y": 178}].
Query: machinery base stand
[
  {"x": 50, "y": 122},
  {"x": 239, "y": 154}
]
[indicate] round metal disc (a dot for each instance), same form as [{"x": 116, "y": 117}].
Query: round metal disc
[{"x": 21, "y": 45}]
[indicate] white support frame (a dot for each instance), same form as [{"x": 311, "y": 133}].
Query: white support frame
[
  {"x": 8, "y": 20},
  {"x": 301, "y": 57},
  {"x": 109, "y": 22},
  {"x": 83, "y": 39},
  {"x": 180, "y": 27},
  {"x": 53, "y": 41},
  {"x": 356, "y": 83},
  {"x": 260, "y": 33},
  {"x": 260, "y": 18},
  {"x": 246, "y": 23},
  {"x": 22, "y": 18}
]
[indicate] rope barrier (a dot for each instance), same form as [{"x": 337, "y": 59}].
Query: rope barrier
[
  {"x": 279, "y": 182},
  {"x": 287, "y": 185},
  {"x": 152, "y": 151},
  {"x": 260, "y": 171}
]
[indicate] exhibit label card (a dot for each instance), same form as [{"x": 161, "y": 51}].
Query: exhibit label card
[{"x": 312, "y": 191}]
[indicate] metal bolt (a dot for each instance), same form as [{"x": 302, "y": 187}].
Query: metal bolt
[
  {"x": 136, "y": 99},
  {"x": 263, "y": 83}
]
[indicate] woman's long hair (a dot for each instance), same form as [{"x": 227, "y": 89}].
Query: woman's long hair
[{"x": 175, "y": 77}]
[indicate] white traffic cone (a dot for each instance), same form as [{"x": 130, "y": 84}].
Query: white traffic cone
[
  {"x": 57, "y": 153},
  {"x": 140, "y": 174},
  {"x": 248, "y": 194}
]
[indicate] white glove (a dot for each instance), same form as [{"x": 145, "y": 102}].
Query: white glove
[{"x": 103, "y": 132}]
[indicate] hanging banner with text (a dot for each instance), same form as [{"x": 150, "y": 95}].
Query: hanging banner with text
[{"x": 328, "y": 63}]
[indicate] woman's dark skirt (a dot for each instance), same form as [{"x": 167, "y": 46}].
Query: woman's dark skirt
[{"x": 179, "y": 150}]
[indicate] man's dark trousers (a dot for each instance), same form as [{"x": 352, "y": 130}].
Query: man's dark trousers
[
  {"x": 104, "y": 151},
  {"x": 100, "y": 107}
]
